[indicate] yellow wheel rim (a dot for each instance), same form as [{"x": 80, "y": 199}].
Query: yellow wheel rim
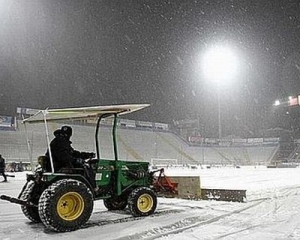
[
  {"x": 70, "y": 206},
  {"x": 145, "y": 203}
]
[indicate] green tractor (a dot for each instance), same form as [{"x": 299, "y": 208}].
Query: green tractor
[{"x": 63, "y": 201}]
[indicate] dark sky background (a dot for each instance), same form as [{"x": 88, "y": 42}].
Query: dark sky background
[{"x": 75, "y": 53}]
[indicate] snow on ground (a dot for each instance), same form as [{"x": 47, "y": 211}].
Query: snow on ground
[{"x": 272, "y": 211}]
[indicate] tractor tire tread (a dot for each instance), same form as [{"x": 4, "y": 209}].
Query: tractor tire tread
[
  {"x": 47, "y": 205},
  {"x": 31, "y": 213}
]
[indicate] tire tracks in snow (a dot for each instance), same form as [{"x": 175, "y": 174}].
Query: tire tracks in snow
[
  {"x": 186, "y": 223},
  {"x": 130, "y": 218}
]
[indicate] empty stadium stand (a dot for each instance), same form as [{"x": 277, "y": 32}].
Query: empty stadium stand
[{"x": 134, "y": 144}]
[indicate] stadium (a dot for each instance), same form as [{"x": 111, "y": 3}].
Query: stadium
[{"x": 158, "y": 143}]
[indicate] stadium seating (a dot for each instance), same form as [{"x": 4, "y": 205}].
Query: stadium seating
[{"x": 134, "y": 144}]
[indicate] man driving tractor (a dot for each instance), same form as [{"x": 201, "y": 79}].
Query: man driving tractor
[{"x": 65, "y": 157}]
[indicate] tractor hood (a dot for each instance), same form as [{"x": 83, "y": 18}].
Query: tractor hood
[{"x": 82, "y": 112}]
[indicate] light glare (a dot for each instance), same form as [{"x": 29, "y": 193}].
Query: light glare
[{"x": 219, "y": 64}]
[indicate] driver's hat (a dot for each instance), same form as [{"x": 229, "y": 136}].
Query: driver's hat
[{"x": 66, "y": 130}]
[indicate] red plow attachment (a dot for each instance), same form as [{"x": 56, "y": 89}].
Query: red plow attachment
[{"x": 164, "y": 185}]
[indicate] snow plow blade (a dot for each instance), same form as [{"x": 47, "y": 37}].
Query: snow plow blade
[
  {"x": 17, "y": 201},
  {"x": 180, "y": 187},
  {"x": 189, "y": 187}
]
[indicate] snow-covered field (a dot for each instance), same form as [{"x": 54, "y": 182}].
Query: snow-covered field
[{"x": 272, "y": 211}]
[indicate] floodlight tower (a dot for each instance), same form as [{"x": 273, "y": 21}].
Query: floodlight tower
[{"x": 219, "y": 66}]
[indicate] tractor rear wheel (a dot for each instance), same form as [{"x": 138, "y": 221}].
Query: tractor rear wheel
[
  {"x": 28, "y": 194},
  {"x": 66, "y": 205},
  {"x": 142, "y": 201},
  {"x": 115, "y": 203}
]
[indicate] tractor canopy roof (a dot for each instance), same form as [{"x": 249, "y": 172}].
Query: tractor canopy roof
[{"x": 82, "y": 112}]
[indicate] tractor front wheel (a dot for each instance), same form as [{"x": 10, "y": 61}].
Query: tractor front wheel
[
  {"x": 66, "y": 205},
  {"x": 142, "y": 201}
]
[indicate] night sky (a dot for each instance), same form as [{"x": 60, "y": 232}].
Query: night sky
[{"x": 76, "y": 53}]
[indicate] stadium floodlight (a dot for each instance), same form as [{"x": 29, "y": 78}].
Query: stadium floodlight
[
  {"x": 219, "y": 65},
  {"x": 277, "y": 103}
]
